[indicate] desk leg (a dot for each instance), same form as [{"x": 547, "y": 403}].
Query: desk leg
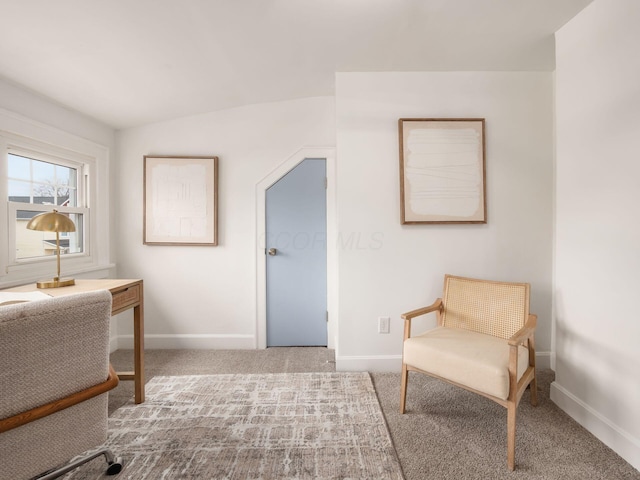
[{"x": 138, "y": 352}]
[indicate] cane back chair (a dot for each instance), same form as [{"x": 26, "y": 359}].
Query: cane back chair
[{"x": 484, "y": 343}]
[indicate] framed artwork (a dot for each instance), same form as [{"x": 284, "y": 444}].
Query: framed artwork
[
  {"x": 180, "y": 200},
  {"x": 442, "y": 170}
]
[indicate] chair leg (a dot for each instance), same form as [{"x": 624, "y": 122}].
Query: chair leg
[
  {"x": 403, "y": 387},
  {"x": 533, "y": 385},
  {"x": 533, "y": 391},
  {"x": 114, "y": 465},
  {"x": 511, "y": 435}
]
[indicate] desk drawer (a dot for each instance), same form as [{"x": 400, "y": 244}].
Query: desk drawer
[{"x": 125, "y": 298}]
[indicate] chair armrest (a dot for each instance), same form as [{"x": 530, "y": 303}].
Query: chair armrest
[
  {"x": 50, "y": 408},
  {"x": 434, "y": 307},
  {"x": 437, "y": 305},
  {"x": 525, "y": 332}
]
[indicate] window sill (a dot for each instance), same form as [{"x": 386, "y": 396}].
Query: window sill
[{"x": 94, "y": 271}]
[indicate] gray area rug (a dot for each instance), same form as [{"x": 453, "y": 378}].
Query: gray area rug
[{"x": 256, "y": 426}]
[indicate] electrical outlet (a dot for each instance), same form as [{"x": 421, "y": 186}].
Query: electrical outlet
[{"x": 384, "y": 324}]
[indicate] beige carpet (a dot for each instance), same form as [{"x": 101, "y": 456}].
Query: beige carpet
[
  {"x": 270, "y": 426},
  {"x": 449, "y": 433}
]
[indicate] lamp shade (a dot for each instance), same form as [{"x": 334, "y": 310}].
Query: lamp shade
[{"x": 51, "y": 222}]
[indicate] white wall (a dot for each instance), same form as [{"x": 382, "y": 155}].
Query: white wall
[
  {"x": 597, "y": 229},
  {"x": 34, "y": 116},
  {"x": 389, "y": 268},
  {"x": 205, "y": 297},
  {"x": 46, "y": 111}
]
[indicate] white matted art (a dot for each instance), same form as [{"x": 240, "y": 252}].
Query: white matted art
[
  {"x": 442, "y": 170},
  {"x": 180, "y": 200}
]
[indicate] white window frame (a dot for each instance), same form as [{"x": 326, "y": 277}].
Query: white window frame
[
  {"x": 82, "y": 165},
  {"x": 21, "y": 136}
]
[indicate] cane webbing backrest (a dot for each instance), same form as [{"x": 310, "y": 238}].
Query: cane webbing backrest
[{"x": 494, "y": 308}]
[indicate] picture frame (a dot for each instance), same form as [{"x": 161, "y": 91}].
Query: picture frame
[
  {"x": 442, "y": 170},
  {"x": 180, "y": 200}
]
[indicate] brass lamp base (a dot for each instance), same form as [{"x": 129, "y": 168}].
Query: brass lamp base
[{"x": 56, "y": 282}]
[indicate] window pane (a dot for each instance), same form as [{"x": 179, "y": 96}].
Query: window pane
[
  {"x": 44, "y": 194},
  {"x": 19, "y": 167},
  {"x": 73, "y": 197},
  {"x": 47, "y": 183},
  {"x": 66, "y": 183},
  {"x": 43, "y": 172},
  {"x": 74, "y": 239},
  {"x": 66, "y": 176},
  {"x": 32, "y": 243},
  {"x": 19, "y": 191},
  {"x": 62, "y": 198}
]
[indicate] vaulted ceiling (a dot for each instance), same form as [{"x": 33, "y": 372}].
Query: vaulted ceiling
[{"x": 132, "y": 62}]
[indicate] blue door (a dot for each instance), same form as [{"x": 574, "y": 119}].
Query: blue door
[{"x": 296, "y": 249}]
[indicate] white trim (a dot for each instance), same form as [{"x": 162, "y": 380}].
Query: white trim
[
  {"x": 393, "y": 363},
  {"x": 189, "y": 341},
  {"x": 373, "y": 363},
  {"x": 14, "y": 122},
  {"x": 328, "y": 154},
  {"x": 113, "y": 344},
  {"x": 612, "y": 435},
  {"x": 543, "y": 360},
  {"x": 101, "y": 271},
  {"x": 24, "y": 132}
]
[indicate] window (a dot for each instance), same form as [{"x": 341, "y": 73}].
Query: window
[
  {"x": 36, "y": 177},
  {"x": 39, "y": 183}
]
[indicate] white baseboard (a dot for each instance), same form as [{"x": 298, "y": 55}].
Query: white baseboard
[
  {"x": 543, "y": 360},
  {"x": 612, "y": 435},
  {"x": 379, "y": 363},
  {"x": 393, "y": 363},
  {"x": 196, "y": 341}
]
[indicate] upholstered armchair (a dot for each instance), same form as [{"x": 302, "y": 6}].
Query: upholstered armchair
[
  {"x": 483, "y": 342},
  {"x": 54, "y": 372}
]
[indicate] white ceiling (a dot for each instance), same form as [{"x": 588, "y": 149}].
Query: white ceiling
[{"x": 132, "y": 62}]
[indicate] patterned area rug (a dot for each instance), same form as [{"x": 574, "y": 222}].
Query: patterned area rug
[{"x": 273, "y": 426}]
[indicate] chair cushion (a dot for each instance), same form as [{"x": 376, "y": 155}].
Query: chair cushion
[{"x": 471, "y": 359}]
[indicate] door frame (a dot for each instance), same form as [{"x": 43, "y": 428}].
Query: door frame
[{"x": 328, "y": 154}]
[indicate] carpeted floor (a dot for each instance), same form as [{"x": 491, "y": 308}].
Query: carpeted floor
[{"x": 447, "y": 433}]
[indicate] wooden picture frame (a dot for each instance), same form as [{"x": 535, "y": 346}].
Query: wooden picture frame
[
  {"x": 180, "y": 200},
  {"x": 442, "y": 170}
]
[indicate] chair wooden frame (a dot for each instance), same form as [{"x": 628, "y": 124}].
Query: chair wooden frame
[
  {"x": 524, "y": 336},
  {"x": 50, "y": 408}
]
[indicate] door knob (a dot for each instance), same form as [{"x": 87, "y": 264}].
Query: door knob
[{"x": 272, "y": 251}]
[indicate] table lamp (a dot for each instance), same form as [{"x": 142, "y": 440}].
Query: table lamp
[{"x": 53, "y": 222}]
